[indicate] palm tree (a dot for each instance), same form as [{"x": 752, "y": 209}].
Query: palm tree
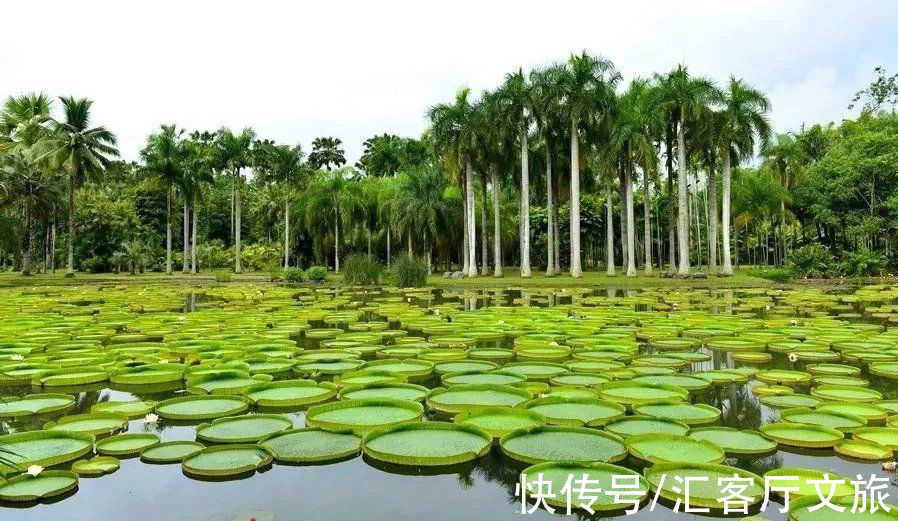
[
  {"x": 783, "y": 157},
  {"x": 387, "y": 209},
  {"x": 331, "y": 198},
  {"x": 200, "y": 157},
  {"x": 454, "y": 134},
  {"x": 421, "y": 204},
  {"x": 234, "y": 153},
  {"x": 588, "y": 87},
  {"x": 283, "y": 166},
  {"x": 163, "y": 159},
  {"x": 744, "y": 123},
  {"x": 327, "y": 153},
  {"x": 82, "y": 151},
  {"x": 547, "y": 111},
  {"x": 687, "y": 99},
  {"x": 516, "y": 109}
]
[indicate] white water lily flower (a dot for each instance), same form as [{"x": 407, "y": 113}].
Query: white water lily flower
[
  {"x": 793, "y": 357},
  {"x": 151, "y": 418},
  {"x": 17, "y": 358},
  {"x": 767, "y": 307},
  {"x": 409, "y": 300},
  {"x": 34, "y": 470},
  {"x": 793, "y": 322},
  {"x": 889, "y": 466}
]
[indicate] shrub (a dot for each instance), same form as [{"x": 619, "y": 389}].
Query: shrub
[
  {"x": 863, "y": 263},
  {"x": 774, "y": 274},
  {"x": 213, "y": 255},
  {"x": 222, "y": 276},
  {"x": 409, "y": 272},
  {"x": 811, "y": 261},
  {"x": 293, "y": 275},
  {"x": 317, "y": 273},
  {"x": 257, "y": 257},
  {"x": 361, "y": 271}
]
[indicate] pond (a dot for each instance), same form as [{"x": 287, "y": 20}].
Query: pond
[{"x": 203, "y": 365}]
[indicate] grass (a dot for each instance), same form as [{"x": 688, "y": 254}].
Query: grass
[{"x": 512, "y": 278}]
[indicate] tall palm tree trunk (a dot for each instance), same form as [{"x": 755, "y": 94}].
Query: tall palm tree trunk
[
  {"x": 185, "y": 256},
  {"x": 168, "y": 269},
  {"x": 727, "y": 268},
  {"x": 193, "y": 266},
  {"x": 712, "y": 220},
  {"x": 646, "y": 222},
  {"x": 238, "y": 214},
  {"x": 550, "y": 214},
  {"x": 427, "y": 254},
  {"x": 609, "y": 233},
  {"x": 70, "y": 238},
  {"x": 287, "y": 233},
  {"x": 484, "y": 256},
  {"x": 53, "y": 246},
  {"x": 472, "y": 231},
  {"x": 497, "y": 225},
  {"x": 29, "y": 240},
  {"x": 682, "y": 217},
  {"x": 557, "y": 239},
  {"x": 388, "y": 245},
  {"x": 525, "y": 205},
  {"x": 336, "y": 242},
  {"x": 622, "y": 210},
  {"x": 576, "y": 268},
  {"x": 631, "y": 222},
  {"x": 671, "y": 210}
]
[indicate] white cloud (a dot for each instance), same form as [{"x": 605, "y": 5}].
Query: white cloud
[{"x": 294, "y": 71}]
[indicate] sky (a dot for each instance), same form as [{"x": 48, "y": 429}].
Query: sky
[{"x": 351, "y": 69}]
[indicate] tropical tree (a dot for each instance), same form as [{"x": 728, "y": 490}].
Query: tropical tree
[
  {"x": 588, "y": 86},
  {"x": 783, "y": 157},
  {"x": 421, "y": 205},
  {"x": 331, "y": 198},
  {"x": 163, "y": 158},
  {"x": 327, "y": 153},
  {"x": 744, "y": 125},
  {"x": 546, "y": 97},
  {"x": 687, "y": 99},
  {"x": 234, "y": 153},
  {"x": 200, "y": 160},
  {"x": 283, "y": 166},
  {"x": 82, "y": 151}
]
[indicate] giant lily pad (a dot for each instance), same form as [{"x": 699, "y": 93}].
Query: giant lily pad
[
  {"x": 47, "y": 484},
  {"x": 656, "y": 448},
  {"x": 636, "y": 425},
  {"x": 311, "y": 445},
  {"x": 602, "y": 475},
  {"x": 690, "y": 414},
  {"x": 242, "y": 429},
  {"x": 96, "y": 423},
  {"x": 467, "y": 397},
  {"x": 589, "y": 412},
  {"x": 127, "y": 444},
  {"x": 804, "y": 486},
  {"x": 290, "y": 393},
  {"x": 132, "y": 409},
  {"x": 171, "y": 451},
  {"x": 833, "y": 420},
  {"x": 36, "y": 404},
  {"x": 705, "y": 489},
  {"x": 499, "y": 421},
  {"x": 361, "y": 416},
  {"x": 838, "y": 393},
  {"x": 556, "y": 443},
  {"x": 201, "y": 407},
  {"x": 226, "y": 460},
  {"x": 45, "y": 448},
  {"x": 886, "y": 436},
  {"x": 96, "y": 466},
  {"x": 863, "y": 449},
  {"x": 735, "y": 442},
  {"x": 224, "y": 382},
  {"x": 399, "y": 391},
  {"x": 632, "y": 393},
  {"x": 427, "y": 444},
  {"x": 801, "y": 435}
]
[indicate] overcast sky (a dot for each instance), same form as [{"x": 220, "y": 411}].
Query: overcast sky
[{"x": 351, "y": 69}]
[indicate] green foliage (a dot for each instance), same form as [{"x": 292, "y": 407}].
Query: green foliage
[
  {"x": 409, "y": 272},
  {"x": 293, "y": 275},
  {"x": 222, "y": 276},
  {"x": 775, "y": 274},
  {"x": 257, "y": 257},
  {"x": 811, "y": 261},
  {"x": 317, "y": 273},
  {"x": 213, "y": 255},
  {"x": 359, "y": 270},
  {"x": 863, "y": 263}
]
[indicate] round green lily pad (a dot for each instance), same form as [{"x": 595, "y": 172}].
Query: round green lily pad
[
  {"x": 578, "y": 380},
  {"x": 590, "y": 412},
  {"x": 735, "y": 442},
  {"x": 705, "y": 490},
  {"x": 846, "y": 394},
  {"x": 427, "y": 444},
  {"x": 636, "y": 425},
  {"x": 862, "y": 449},
  {"x": 804, "y": 486},
  {"x": 557, "y": 443},
  {"x": 834, "y": 420},
  {"x": 242, "y": 429},
  {"x": 361, "y": 416},
  {"x": 290, "y": 393},
  {"x": 96, "y": 466},
  {"x": 885, "y": 369},
  {"x": 171, "y": 451},
  {"x": 201, "y": 407},
  {"x": 311, "y": 445},
  {"x": 690, "y": 383},
  {"x": 499, "y": 421},
  {"x": 33, "y": 404},
  {"x": 784, "y": 377},
  {"x": 690, "y": 414},
  {"x": 788, "y": 401},
  {"x": 602, "y": 475},
  {"x": 801, "y": 435},
  {"x": 467, "y": 397},
  {"x": 46, "y": 448},
  {"x": 870, "y": 412},
  {"x": 398, "y": 391},
  {"x": 70, "y": 376},
  {"x": 634, "y": 393},
  {"x": 226, "y": 460},
  {"x": 127, "y": 444},
  {"x": 148, "y": 374},
  {"x": 540, "y": 371},
  {"x": 96, "y": 423},
  {"x": 47, "y": 484},
  {"x": 477, "y": 378},
  {"x": 133, "y": 409},
  {"x": 656, "y": 448},
  {"x": 886, "y": 436}
]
